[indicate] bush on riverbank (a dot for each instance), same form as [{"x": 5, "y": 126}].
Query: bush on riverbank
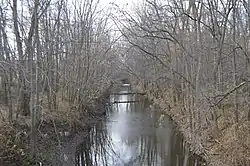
[
  {"x": 225, "y": 143},
  {"x": 11, "y": 149},
  {"x": 53, "y": 126},
  {"x": 232, "y": 147}
]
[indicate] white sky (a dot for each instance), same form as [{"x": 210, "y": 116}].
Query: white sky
[
  {"x": 119, "y": 2},
  {"x": 104, "y": 4}
]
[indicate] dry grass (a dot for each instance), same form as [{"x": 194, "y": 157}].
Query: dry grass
[
  {"x": 228, "y": 146},
  {"x": 64, "y": 113},
  {"x": 12, "y": 147},
  {"x": 233, "y": 147},
  {"x": 14, "y": 138}
]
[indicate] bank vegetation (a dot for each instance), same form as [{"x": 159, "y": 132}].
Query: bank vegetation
[
  {"x": 192, "y": 59},
  {"x": 55, "y": 62}
]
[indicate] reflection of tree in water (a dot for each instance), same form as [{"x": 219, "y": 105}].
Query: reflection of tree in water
[
  {"x": 151, "y": 149},
  {"x": 93, "y": 150}
]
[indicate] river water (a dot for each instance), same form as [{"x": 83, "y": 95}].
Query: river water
[{"x": 133, "y": 133}]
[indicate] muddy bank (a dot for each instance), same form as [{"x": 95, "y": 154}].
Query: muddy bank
[{"x": 54, "y": 130}]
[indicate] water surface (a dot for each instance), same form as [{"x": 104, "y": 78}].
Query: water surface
[{"x": 131, "y": 134}]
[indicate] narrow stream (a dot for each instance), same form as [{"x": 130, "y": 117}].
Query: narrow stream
[{"x": 131, "y": 134}]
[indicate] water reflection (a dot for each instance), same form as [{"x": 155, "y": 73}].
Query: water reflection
[{"x": 132, "y": 134}]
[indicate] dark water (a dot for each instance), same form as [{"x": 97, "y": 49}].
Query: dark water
[{"x": 131, "y": 134}]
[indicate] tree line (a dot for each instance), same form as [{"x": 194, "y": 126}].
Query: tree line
[
  {"x": 192, "y": 53},
  {"x": 51, "y": 51}
]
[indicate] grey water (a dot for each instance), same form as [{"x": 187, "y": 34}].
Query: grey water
[{"x": 132, "y": 133}]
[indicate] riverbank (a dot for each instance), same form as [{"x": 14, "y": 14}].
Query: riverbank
[
  {"x": 55, "y": 128},
  {"x": 226, "y": 145}
]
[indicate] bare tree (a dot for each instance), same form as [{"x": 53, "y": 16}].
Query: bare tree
[{"x": 196, "y": 53}]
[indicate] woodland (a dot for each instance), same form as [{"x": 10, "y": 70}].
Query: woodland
[{"x": 190, "y": 57}]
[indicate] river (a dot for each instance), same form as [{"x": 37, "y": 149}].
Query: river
[{"x": 132, "y": 133}]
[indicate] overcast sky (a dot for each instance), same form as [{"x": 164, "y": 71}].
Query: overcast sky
[{"x": 124, "y": 4}]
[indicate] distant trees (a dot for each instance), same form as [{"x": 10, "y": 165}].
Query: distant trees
[{"x": 197, "y": 51}]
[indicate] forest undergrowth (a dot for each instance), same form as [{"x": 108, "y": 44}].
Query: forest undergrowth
[
  {"x": 54, "y": 129},
  {"x": 227, "y": 143}
]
